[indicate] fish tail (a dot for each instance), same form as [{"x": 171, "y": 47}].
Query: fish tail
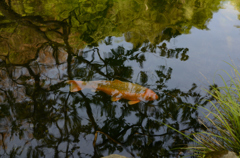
[{"x": 74, "y": 85}]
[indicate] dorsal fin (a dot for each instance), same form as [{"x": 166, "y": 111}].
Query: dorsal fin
[{"x": 116, "y": 80}]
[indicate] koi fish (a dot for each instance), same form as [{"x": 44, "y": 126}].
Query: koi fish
[{"x": 117, "y": 89}]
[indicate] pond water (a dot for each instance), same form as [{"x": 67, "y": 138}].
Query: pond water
[{"x": 175, "y": 48}]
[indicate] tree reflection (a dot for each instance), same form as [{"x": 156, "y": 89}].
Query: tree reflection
[
  {"x": 40, "y": 112},
  {"x": 41, "y": 118}
]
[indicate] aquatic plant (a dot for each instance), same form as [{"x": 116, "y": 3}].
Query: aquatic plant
[{"x": 222, "y": 120}]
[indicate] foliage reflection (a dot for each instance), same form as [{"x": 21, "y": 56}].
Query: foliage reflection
[{"x": 41, "y": 118}]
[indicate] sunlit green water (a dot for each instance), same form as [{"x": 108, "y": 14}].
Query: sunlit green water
[{"x": 173, "y": 48}]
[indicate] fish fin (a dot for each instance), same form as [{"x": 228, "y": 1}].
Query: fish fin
[
  {"x": 116, "y": 80},
  {"x": 133, "y": 102},
  {"x": 115, "y": 99},
  {"x": 74, "y": 85}
]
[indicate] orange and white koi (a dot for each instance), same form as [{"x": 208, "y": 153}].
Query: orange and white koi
[{"x": 117, "y": 89}]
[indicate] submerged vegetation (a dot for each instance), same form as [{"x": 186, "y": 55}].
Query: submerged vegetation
[{"x": 222, "y": 120}]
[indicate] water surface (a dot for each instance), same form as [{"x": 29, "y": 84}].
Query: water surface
[{"x": 174, "y": 48}]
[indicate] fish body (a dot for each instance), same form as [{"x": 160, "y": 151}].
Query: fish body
[{"x": 117, "y": 89}]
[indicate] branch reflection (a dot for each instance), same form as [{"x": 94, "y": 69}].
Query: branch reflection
[{"x": 41, "y": 118}]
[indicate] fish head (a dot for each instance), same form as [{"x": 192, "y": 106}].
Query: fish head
[{"x": 150, "y": 95}]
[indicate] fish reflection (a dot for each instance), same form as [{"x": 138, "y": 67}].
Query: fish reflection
[{"x": 117, "y": 89}]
